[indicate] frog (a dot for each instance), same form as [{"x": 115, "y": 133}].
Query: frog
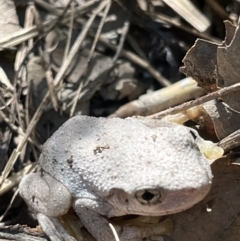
[{"x": 111, "y": 167}]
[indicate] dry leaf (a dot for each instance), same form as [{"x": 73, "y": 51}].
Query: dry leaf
[{"x": 215, "y": 66}]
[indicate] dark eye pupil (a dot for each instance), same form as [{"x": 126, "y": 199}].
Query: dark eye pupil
[{"x": 147, "y": 196}]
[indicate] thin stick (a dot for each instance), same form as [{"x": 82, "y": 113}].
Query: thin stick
[
  {"x": 17, "y": 151},
  {"x": 122, "y": 40},
  {"x": 177, "y": 24},
  {"x": 9, "y": 205},
  {"x": 219, "y": 93},
  {"x": 69, "y": 35},
  {"x": 77, "y": 44},
  {"x": 114, "y": 232},
  {"x": 14, "y": 128},
  {"x": 99, "y": 30}
]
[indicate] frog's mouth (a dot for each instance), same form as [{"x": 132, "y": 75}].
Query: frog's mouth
[{"x": 160, "y": 212}]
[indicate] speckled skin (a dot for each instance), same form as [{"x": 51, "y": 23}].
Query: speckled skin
[{"x": 114, "y": 167}]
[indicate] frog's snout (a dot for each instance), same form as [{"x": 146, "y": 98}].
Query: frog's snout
[{"x": 148, "y": 196}]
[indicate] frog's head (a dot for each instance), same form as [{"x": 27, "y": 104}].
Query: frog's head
[{"x": 168, "y": 175}]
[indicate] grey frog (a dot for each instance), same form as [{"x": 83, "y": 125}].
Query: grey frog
[{"x": 112, "y": 167}]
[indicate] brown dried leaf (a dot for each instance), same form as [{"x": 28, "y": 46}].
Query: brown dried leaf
[
  {"x": 230, "y": 31},
  {"x": 228, "y": 60},
  {"x": 224, "y": 119},
  {"x": 215, "y": 66},
  {"x": 200, "y": 62}
]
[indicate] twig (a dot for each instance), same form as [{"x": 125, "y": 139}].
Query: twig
[
  {"x": 231, "y": 141},
  {"x": 9, "y": 205},
  {"x": 17, "y": 151},
  {"x": 114, "y": 232},
  {"x": 219, "y": 93},
  {"x": 49, "y": 76},
  {"x": 99, "y": 30},
  {"x": 5, "y": 105},
  {"x": 69, "y": 35},
  {"x": 12, "y": 127},
  {"x": 188, "y": 11},
  {"x": 85, "y": 72},
  {"x": 218, "y": 9},
  {"x": 45, "y": 60},
  {"x": 177, "y": 24},
  {"x": 147, "y": 104},
  {"x": 77, "y": 44},
  {"x": 122, "y": 40}
]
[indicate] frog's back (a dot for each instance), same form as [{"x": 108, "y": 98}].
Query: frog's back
[{"x": 99, "y": 154}]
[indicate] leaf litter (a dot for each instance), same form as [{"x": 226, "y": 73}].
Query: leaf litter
[{"x": 72, "y": 57}]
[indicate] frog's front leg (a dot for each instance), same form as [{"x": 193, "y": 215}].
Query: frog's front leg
[
  {"x": 93, "y": 214},
  {"x": 49, "y": 199}
]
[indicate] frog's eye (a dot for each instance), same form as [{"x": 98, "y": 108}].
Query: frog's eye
[
  {"x": 148, "y": 196},
  {"x": 193, "y": 134}
]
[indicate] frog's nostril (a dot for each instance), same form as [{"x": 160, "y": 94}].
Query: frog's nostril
[{"x": 148, "y": 196}]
